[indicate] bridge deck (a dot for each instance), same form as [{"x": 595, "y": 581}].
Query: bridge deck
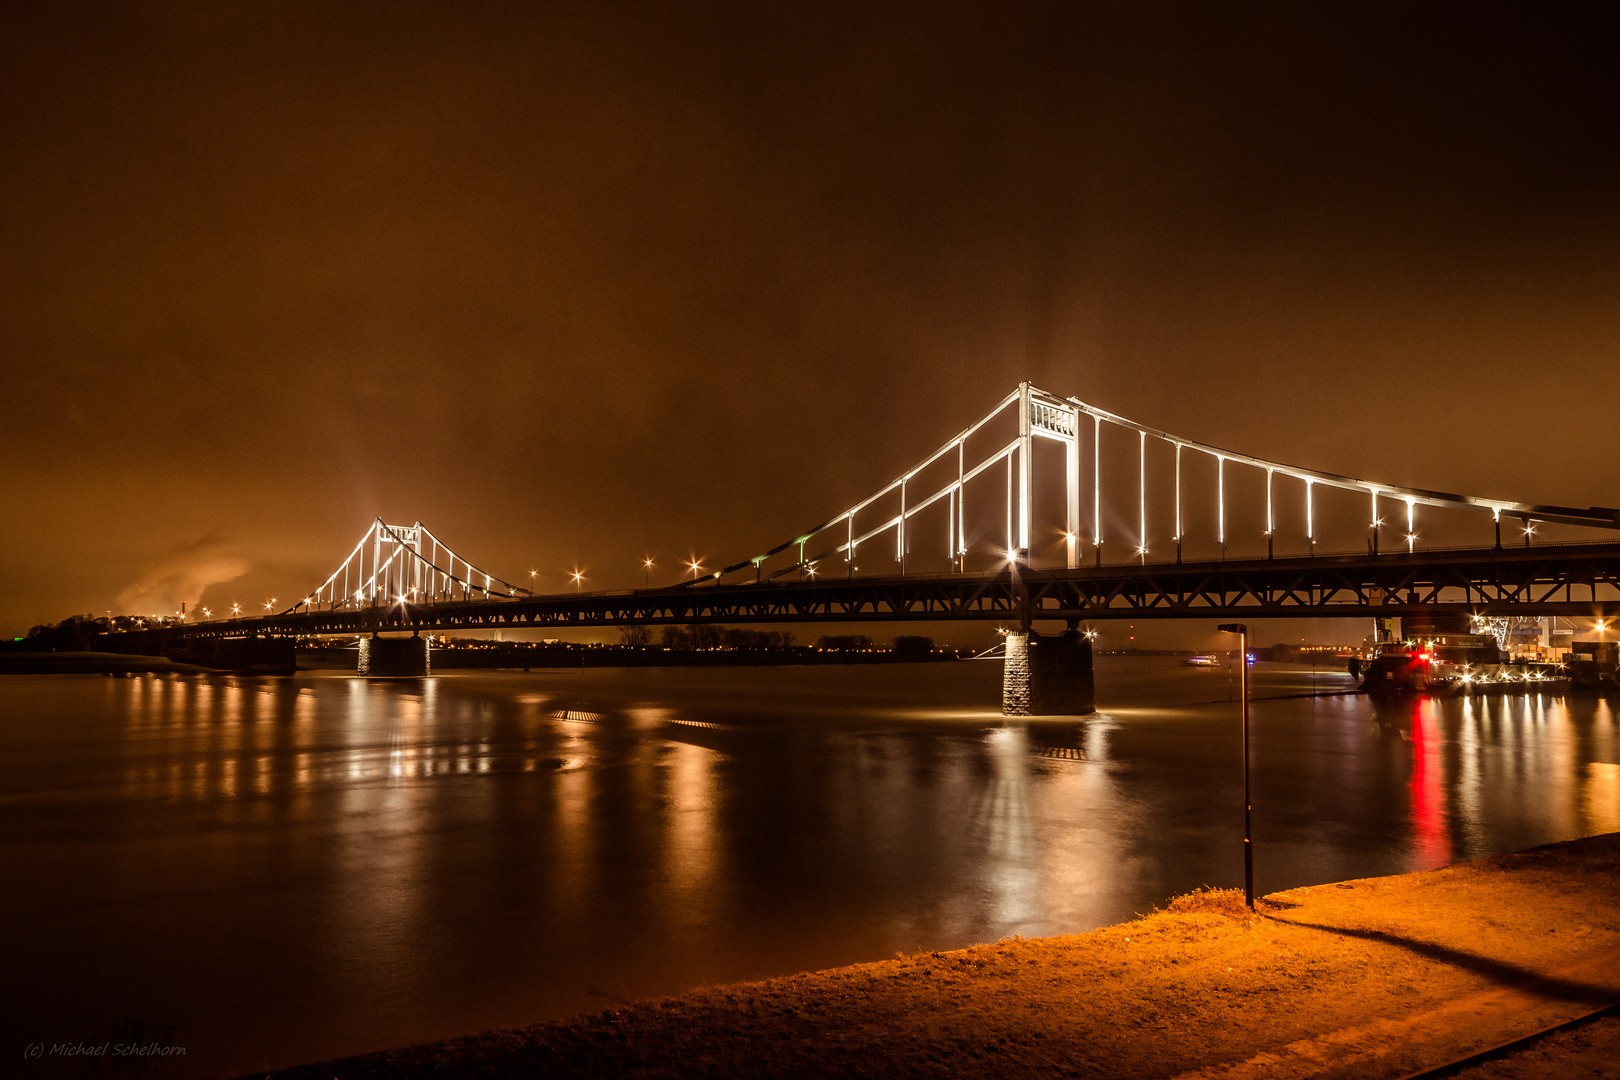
[{"x": 1572, "y": 580}]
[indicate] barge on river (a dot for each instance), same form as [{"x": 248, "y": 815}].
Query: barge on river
[{"x": 1442, "y": 660}]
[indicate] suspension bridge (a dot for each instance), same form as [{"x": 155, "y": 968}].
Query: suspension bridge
[{"x": 967, "y": 534}]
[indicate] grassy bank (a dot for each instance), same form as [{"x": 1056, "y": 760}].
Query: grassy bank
[{"x": 1371, "y": 978}]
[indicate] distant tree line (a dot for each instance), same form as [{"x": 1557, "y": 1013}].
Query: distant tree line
[
  {"x": 844, "y": 643},
  {"x": 75, "y": 631},
  {"x": 904, "y": 645},
  {"x": 699, "y": 638}
]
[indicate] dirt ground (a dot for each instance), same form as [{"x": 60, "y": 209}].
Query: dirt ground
[
  {"x": 1590, "y": 1051},
  {"x": 1373, "y": 978}
]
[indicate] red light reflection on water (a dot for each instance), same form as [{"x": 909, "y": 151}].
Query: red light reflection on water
[{"x": 1428, "y": 792}]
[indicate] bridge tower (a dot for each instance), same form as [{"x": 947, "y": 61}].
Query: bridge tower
[{"x": 1044, "y": 676}]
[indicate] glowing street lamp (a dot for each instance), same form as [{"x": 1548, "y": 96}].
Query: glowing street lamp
[
  {"x": 1242, "y": 631},
  {"x": 270, "y": 603},
  {"x": 578, "y": 577},
  {"x": 647, "y": 566},
  {"x": 696, "y": 566},
  {"x": 236, "y": 609}
]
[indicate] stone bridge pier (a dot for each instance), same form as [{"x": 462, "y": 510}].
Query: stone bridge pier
[
  {"x": 395, "y": 657},
  {"x": 1048, "y": 676}
]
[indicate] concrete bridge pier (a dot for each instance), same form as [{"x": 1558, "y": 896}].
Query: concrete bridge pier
[
  {"x": 395, "y": 657},
  {"x": 1048, "y": 676}
]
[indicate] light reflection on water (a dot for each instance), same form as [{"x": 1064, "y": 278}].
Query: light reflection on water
[{"x": 290, "y": 869}]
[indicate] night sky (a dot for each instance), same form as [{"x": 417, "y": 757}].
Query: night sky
[{"x": 576, "y": 287}]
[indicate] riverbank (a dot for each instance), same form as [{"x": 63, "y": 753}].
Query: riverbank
[
  {"x": 1371, "y": 978},
  {"x": 90, "y": 663}
]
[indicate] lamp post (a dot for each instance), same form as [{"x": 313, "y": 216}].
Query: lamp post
[
  {"x": 1242, "y": 631},
  {"x": 646, "y": 565}
]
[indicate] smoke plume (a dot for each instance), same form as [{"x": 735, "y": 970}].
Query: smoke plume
[{"x": 181, "y": 576}]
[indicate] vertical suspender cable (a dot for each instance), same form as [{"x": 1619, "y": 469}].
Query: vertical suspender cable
[
  {"x": 1096, "y": 483},
  {"x": 961, "y": 507},
  {"x": 1141, "y": 451},
  {"x": 1178, "y": 493},
  {"x": 1011, "y": 542},
  {"x": 1271, "y": 521},
  {"x": 900, "y": 530},
  {"x": 1310, "y": 515}
]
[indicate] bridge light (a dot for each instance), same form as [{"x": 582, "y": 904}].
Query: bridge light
[{"x": 236, "y": 609}]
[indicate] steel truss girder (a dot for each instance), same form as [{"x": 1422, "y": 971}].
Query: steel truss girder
[{"x": 1572, "y": 580}]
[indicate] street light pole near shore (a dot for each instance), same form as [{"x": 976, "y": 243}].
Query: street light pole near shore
[{"x": 1242, "y": 631}]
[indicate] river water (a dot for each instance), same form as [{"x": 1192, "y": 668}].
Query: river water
[{"x": 283, "y": 870}]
